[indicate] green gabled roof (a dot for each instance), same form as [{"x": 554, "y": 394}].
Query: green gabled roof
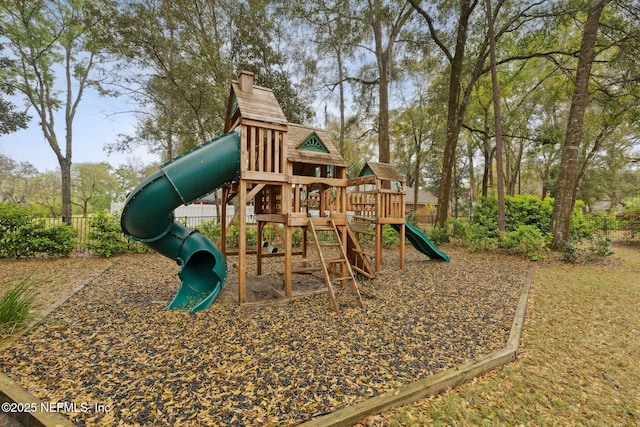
[
  {"x": 313, "y": 143},
  {"x": 234, "y": 104},
  {"x": 366, "y": 171}
]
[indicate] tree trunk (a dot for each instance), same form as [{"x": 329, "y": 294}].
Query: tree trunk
[
  {"x": 488, "y": 160},
  {"x": 384, "y": 151},
  {"x": 472, "y": 174},
  {"x": 566, "y": 185},
  {"x": 453, "y": 116},
  {"x": 497, "y": 119},
  {"x": 514, "y": 179},
  {"x": 169, "y": 110},
  {"x": 384, "y": 58},
  {"x": 341, "y": 91},
  {"x": 416, "y": 190},
  {"x": 65, "y": 177}
]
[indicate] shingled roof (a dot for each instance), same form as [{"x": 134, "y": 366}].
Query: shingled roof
[
  {"x": 383, "y": 171},
  {"x": 424, "y": 197},
  {"x": 325, "y": 154},
  {"x": 254, "y": 102}
]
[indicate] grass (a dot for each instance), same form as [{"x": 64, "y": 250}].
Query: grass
[
  {"x": 579, "y": 359},
  {"x": 15, "y": 306}
]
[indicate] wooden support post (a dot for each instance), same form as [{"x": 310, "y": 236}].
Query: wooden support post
[
  {"x": 288, "y": 261},
  {"x": 402, "y": 242},
  {"x": 242, "y": 244},
  {"x": 403, "y": 228},
  {"x": 378, "y": 246},
  {"x": 222, "y": 242},
  {"x": 261, "y": 147},
  {"x": 252, "y": 148},
  {"x": 304, "y": 242},
  {"x": 277, "y": 146},
  {"x": 269, "y": 151},
  {"x": 259, "y": 248}
]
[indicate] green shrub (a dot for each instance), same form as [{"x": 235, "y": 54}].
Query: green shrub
[
  {"x": 210, "y": 229},
  {"x": 519, "y": 210},
  {"x": 589, "y": 248},
  {"x": 252, "y": 236},
  {"x": 389, "y": 236},
  {"x": 233, "y": 236},
  {"x": 269, "y": 233},
  {"x": 579, "y": 225},
  {"x": 23, "y": 234},
  {"x": 59, "y": 239},
  {"x": 570, "y": 251},
  {"x": 106, "y": 237},
  {"x": 459, "y": 228},
  {"x": 600, "y": 246},
  {"x": 412, "y": 218},
  {"x": 15, "y": 306},
  {"x": 630, "y": 219},
  {"x": 439, "y": 236},
  {"x": 527, "y": 240},
  {"x": 296, "y": 238},
  {"x": 479, "y": 239},
  {"x": 525, "y": 210}
]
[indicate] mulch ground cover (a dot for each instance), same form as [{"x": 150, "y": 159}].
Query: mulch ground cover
[{"x": 114, "y": 345}]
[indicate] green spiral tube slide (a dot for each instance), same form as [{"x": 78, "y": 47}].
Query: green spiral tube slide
[{"x": 148, "y": 217}]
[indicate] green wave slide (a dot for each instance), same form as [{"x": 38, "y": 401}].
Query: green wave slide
[
  {"x": 148, "y": 217},
  {"x": 422, "y": 242}
]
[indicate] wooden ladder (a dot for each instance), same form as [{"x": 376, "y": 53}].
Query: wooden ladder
[{"x": 331, "y": 273}]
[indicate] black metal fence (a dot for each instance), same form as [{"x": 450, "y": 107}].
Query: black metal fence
[
  {"x": 82, "y": 225},
  {"x": 614, "y": 228}
]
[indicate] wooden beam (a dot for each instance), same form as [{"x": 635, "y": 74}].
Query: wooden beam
[
  {"x": 255, "y": 191},
  {"x": 402, "y": 245},
  {"x": 275, "y": 218},
  {"x": 264, "y": 177},
  {"x": 259, "y": 249},
  {"x": 242, "y": 244},
  {"x": 260, "y": 143},
  {"x": 12, "y": 393},
  {"x": 222, "y": 241},
  {"x": 288, "y": 261},
  {"x": 433, "y": 384},
  {"x": 515, "y": 334},
  {"x": 332, "y": 182},
  {"x": 420, "y": 389},
  {"x": 362, "y": 180},
  {"x": 258, "y": 123},
  {"x": 378, "y": 247}
]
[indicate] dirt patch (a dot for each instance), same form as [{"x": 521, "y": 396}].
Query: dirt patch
[{"x": 113, "y": 344}]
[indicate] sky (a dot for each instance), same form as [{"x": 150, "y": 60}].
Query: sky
[{"x": 98, "y": 121}]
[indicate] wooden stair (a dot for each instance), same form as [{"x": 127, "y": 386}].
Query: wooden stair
[
  {"x": 357, "y": 257},
  {"x": 335, "y": 266}
]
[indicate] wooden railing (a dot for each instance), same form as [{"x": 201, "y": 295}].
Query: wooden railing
[
  {"x": 391, "y": 204},
  {"x": 380, "y": 204},
  {"x": 265, "y": 149}
]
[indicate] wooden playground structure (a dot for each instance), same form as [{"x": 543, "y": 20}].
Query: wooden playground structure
[{"x": 295, "y": 178}]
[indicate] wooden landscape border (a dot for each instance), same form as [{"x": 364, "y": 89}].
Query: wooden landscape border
[
  {"x": 433, "y": 384},
  {"x": 12, "y": 392}
]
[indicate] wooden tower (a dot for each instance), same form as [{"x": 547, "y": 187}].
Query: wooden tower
[
  {"x": 376, "y": 198},
  {"x": 295, "y": 177}
]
